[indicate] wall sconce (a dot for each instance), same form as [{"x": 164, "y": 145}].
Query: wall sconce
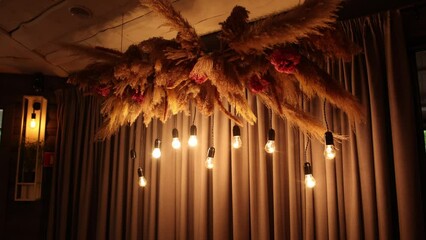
[{"x": 30, "y": 152}]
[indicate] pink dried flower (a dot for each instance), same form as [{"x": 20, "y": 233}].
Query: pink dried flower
[
  {"x": 137, "y": 97},
  {"x": 257, "y": 84},
  {"x": 198, "y": 78},
  {"x": 285, "y": 60}
]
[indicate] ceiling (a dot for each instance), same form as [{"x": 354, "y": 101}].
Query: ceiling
[{"x": 32, "y": 32}]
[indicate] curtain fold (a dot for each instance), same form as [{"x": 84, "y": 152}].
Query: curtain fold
[{"x": 372, "y": 190}]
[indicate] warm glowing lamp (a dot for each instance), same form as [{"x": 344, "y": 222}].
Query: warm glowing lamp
[
  {"x": 193, "y": 141},
  {"x": 236, "y": 137},
  {"x": 141, "y": 179},
  {"x": 270, "y": 144},
  {"x": 330, "y": 149},
  {"x": 156, "y": 152},
  {"x": 175, "y": 139},
  {"x": 309, "y": 179},
  {"x": 210, "y": 158}
]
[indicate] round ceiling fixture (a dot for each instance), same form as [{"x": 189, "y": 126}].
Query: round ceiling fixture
[{"x": 80, "y": 12}]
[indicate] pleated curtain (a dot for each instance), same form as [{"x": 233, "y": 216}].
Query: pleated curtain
[{"x": 371, "y": 190}]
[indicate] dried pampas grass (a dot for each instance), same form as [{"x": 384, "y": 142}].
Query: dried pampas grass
[
  {"x": 158, "y": 78},
  {"x": 187, "y": 37},
  {"x": 98, "y": 53},
  {"x": 287, "y": 27},
  {"x": 235, "y": 25},
  {"x": 333, "y": 43},
  {"x": 314, "y": 80},
  {"x": 93, "y": 75}
]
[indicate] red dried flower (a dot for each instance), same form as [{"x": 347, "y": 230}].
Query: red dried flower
[
  {"x": 257, "y": 84},
  {"x": 137, "y": 97},
  {"x": 103, "y": 90},
  {"x": 285, "y": 60},
  {"x": 198, "y": 78}
]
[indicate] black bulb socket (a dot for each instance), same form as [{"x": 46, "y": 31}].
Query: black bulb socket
[
  {"x": 329, "y": 140},
  {"x": 211, "y": 152},
  {"x": 236, "y": 131},
  {"x": 157, "y": 143},
  {"x": 36, "y": 106},
  {"x": 175, "y": 133},
  {"x": 133, "y": 154},
  {"x": 308, "y": 168},
  {"x": 271, "y": 134},
  {"x": 193, "y": 130},
  {"x": 33, "y": 116},
  {"x": 140, "y": 172}
]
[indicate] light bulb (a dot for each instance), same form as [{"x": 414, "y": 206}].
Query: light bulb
[
  {"x": 193, "y": 141},
  {"x": 330, "y": 150},
  {"x": 33, "y": 122},
  {"x": 270, "y": 144},
  {"x": 210, "y": 158},
  {"x": 310, "y": 181},
  {"x": 236, "y": 139},
  {"x": 176, "y": 143},
  {"x": 236, "y": 142},
  {"x": 175, "y": 140},
  {"x": 209, "y": 163},
  {"x": 142, "y": 181},
  {"x": 156, "y": 152}
]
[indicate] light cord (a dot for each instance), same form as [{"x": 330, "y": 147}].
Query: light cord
[{"x": 325, "y": 115}]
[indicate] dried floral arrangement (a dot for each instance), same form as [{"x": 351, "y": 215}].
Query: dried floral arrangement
[{"x": 273, "y": 58}]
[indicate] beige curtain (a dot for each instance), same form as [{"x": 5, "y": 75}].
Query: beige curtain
[{"x": 372, "y": 190}]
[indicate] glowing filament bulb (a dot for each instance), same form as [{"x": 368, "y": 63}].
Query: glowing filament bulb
[
  {"x": 33, "y": 122},
  {"x": 309, "y": 179},
  {"x": 175, "y": 140},
  {"x": 270, "y": 144},
  {"x": 210, "y": 158},
  {"x": 141, "y": 179},
  {"x": 156, "y": 152},
  {"x": 330, "y": 152},
  {"x": 330, "y": 149},
  {"x": 236, "y": 137},
  {"x": 193, "y": 141}
]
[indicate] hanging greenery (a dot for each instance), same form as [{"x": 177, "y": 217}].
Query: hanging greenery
[{"x": 273, "y": 58}]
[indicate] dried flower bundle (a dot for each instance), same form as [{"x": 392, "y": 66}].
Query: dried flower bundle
[{"x": 272, "y": 58}]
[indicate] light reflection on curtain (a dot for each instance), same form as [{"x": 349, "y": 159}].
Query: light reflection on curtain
[{"x": 370, "y": 191}]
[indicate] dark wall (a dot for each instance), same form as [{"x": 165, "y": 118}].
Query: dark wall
[
  {"x": 23, "y": 220},
  {"x": 356, "y": 8}
]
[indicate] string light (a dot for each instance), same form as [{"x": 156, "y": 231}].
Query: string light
[
  {"x": 33, "y": 122},
  {"x": 309, "y": 179},
  {"x": 36, "y": 106},
  {"x": 193, "y": 141},
  {"x": 330, "y": 149},
  {"x": 210, "y": 158},
  {"x": 156, "y": 152},
  {"x": 236, "y": 137},
  {"x": 209, "y": 163},
  {"x": 270, "y": 144},
  {"x": 175, "y": 139},
  {"x": 141, "y": 179}
]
